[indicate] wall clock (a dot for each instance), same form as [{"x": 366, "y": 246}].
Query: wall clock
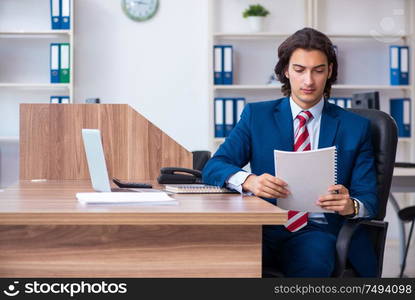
[{"x": 140, "y": 10}]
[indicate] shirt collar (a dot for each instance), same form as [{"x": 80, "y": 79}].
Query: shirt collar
[{"x": 316, "y": 110}]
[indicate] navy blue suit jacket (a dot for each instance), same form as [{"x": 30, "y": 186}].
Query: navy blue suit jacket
[{"x": 265, "y": 126}]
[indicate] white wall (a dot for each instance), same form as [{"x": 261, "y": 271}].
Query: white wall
[{"x": 158, "y": 67}]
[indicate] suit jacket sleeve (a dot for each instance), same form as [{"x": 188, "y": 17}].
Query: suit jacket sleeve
[
  {"x": 232, "y": 155},
  {"x": 363, "y": 179}
]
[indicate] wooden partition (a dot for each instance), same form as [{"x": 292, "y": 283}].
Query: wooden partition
[{"x": 51, "y": 145}]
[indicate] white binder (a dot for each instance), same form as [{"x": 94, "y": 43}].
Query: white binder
[{"x": 66, "y": 12}]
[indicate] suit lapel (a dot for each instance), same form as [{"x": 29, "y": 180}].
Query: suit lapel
[
  {"x": 328, "y": 126},
  {"x": 284, "y": 121}
]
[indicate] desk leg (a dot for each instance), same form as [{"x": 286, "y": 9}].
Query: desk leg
[
  {"x": 130, "y": 251},
  {"x": 402, "y": 233}
]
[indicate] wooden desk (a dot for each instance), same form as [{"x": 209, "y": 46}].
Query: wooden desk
[{"x": 44, "y": 232}]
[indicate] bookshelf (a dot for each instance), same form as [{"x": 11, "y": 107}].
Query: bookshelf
[
  {"x": 360, "y": 40},
  {"x": 25, "y": 38}
]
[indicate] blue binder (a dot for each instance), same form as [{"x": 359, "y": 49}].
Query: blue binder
[
  {"x": 400, "y": 110},
  {"x": 54, "y": 99},
  {"x": 229, "y": 116},
  {"x": 65, "y": 14},
  {"x": 64, "y": 99},
  {"x": 332, "y": 100},
  {"x": 55, "y": 14},
  {"x": 404, "y": 65},
  {"x": 54, "y": 63},
  {"x": 238, "y": 107},
  {"x": 217, "y": 64},
  {"x": 394, "y": 65},
  {"x": 341, "y": 102},
  {"x": 227, "y": 64},
  {"x": 219, "y": 117},
  {"x": 348, "y": 102}
]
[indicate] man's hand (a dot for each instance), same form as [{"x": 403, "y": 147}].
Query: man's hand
[
  {"x": 266, "y": 186},
  {"x": 340, "y": 202}
]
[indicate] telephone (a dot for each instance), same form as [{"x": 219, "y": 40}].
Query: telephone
[{"x": 175, "y": 175}]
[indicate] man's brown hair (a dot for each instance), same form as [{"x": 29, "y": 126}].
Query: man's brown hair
[{"x": 307, "y": 39}]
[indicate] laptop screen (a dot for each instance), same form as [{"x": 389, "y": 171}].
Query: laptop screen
[{"x": 96, "y": 160}]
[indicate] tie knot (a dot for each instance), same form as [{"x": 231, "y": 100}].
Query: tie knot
[{"x": 305, "y": 116}]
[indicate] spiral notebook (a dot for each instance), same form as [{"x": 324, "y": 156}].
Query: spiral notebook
[
  {"x": 308, "y": 175},
  {"x": 196, "y": 189}
]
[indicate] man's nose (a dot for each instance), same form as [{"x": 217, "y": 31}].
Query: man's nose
[{"x": 308, "y": 79}]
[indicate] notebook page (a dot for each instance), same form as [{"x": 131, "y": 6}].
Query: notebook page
[{"x": 308, "y": 175}]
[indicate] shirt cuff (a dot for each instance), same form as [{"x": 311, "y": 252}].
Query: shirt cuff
[
  {"x": 236, "y": 180},
  {"x": 362, "y": 210}
]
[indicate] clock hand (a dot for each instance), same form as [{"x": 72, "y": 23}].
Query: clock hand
[{"x": 140, "y": 2}]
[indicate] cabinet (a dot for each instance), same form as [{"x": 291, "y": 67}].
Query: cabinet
[
  {"x": 25, "y": 38},
  {"x": 361, "y": 33}
]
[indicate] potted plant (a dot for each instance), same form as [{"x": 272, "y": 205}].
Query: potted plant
[{"x": 255, "y": 15}]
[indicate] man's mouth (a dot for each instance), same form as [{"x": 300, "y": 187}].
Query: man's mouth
[{"x": 308, "y": 91}]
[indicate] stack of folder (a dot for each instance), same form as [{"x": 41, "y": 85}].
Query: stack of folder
[
  {"x": 399, "y": 65},
  {"x": 60, "y": 14},
  {"x": 227, "y": 114},
  {"x": 400, "y": 110},
  {"x": 59, "y": 63},
  {"x": 342, "y": 102},
  {"x": 59, "y": 99},
  {"x": 223, "y": 64}
]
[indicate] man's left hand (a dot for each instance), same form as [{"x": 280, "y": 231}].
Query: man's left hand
[{"x": 337, "y": 200}]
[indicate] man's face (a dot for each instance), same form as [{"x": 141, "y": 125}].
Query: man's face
[{"x": 308, "y": 71}]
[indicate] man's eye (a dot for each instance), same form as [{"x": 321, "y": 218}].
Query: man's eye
[
  {"x": 298, "y": 70},
  {"x": 319, "y": 71}
]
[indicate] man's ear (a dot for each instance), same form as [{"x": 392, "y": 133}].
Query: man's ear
[
  {"x": 286, "y": 73},
  {"x": 330, "y": 70}
]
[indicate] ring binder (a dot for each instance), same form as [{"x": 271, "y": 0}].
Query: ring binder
[
  {"x": 335, "y": 165},
  {"x": 318, "y": 172},
  {"x": 196, "y": 189}
]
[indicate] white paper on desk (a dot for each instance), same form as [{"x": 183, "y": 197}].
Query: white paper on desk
[
  {"x": 150, "y": 198},
  {"x": 308, "y": 175}
]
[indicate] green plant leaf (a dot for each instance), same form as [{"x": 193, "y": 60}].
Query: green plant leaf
[{"x": 255, "y": 11}]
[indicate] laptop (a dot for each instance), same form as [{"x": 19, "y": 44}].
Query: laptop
[{"x": 96, "y": 163}]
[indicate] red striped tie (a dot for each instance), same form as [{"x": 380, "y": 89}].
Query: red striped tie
[{"x": 298, "y": 219}]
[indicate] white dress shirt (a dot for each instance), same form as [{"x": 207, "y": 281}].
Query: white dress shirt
[{"x": 313, "y": 126}]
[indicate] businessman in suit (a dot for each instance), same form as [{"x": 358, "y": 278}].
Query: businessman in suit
[{"x": 302, "y": 121}]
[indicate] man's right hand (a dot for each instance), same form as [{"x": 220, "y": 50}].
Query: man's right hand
[{"x": 266, "y": 186}]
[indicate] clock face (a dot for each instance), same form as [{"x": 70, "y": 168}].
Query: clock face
[{"x": 140, "y": 10}]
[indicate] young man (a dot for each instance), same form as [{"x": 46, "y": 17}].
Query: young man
[{"x": 304, "y": 120}]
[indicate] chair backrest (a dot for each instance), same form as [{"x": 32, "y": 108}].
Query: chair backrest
[
  {"x": 200, "y": 158},
  {"x": 384, "y": 140}
]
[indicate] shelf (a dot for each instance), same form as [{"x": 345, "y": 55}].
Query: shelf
[
  {"x": 34, "y": 34},
  {"x": 9, "y": 139},
  {"x": 247, "y": 87},
  {"x": 402, "y": 139},
  {"x": 36, "y": 85},
  {"x": 368, "y": 36},
  {"x": 271, "y": 35},
  {"x": 256, "y": 35},
  {"x": 370, "y": 87},
  {"x": 335, "y": 86}
]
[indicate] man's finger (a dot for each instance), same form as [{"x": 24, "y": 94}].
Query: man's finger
[
  {"x": 333, "y": 197},
  {"x": 338, "y": 187},
  {"x": 274, "y": 186},
  {"x": 332, "y": 202},
  {"x": 334, "y": 208}
]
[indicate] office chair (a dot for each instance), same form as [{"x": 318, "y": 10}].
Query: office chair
[
  {"x": 200, "y": 158},
  {"x": 407, "y": 214},
  {"x": 384, "y": 140}
]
